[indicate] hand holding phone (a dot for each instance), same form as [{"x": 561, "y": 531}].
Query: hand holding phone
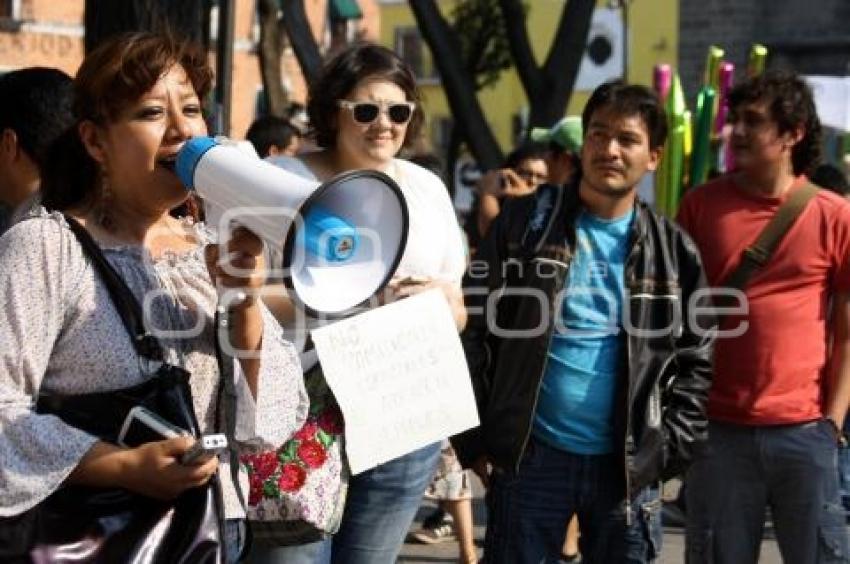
[
  {"x": 154, "y": 470},
  {"x": 204, "y": 448},
  {"x": 144, "y": 426}
]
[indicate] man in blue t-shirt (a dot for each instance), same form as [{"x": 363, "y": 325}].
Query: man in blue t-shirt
[{"x": 589, "y": 342}]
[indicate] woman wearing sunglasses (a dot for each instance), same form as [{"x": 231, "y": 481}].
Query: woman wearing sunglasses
[{"x": 363, "y": 109}]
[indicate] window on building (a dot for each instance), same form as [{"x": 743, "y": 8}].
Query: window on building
[
  {"x": 412, "y": 49},
  {"x": 10, "y": 9}
]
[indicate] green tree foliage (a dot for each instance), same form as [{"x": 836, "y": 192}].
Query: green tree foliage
[{"x": 480, "y": 28}]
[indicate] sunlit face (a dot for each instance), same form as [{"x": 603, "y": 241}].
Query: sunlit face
[
  {"x": 137, "y": 149},
  {"x": 532, "y": 171},
  {"x": 373, "y": 145},
  {"x": 616, "y": 152},
  {"x": 755, "y": 139}
]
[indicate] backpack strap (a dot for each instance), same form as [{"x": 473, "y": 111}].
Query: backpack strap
[
  {"x": 128, "y": 307},
  {"x": 757, "y": 255}
]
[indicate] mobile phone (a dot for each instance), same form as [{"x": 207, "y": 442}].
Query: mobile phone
[
  {"x": 144, "y": 426},
  {"x": 204, "y": 448}
]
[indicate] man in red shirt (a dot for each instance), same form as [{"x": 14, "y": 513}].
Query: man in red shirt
[{"x": 782, "y": 370}]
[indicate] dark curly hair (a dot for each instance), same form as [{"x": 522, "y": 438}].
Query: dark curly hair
[
  {"x": 340, "y": 76},
  {"x": 111, "y": 78},
  {"x": 791, "y": 104}
]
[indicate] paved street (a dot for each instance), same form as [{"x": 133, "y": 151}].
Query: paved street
[{"x": 674, "y": 540}]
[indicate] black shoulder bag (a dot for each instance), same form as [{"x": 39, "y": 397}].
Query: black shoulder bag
[{"x": 98, "y": 525}]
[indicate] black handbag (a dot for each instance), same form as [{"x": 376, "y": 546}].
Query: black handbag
[{"x": 97, "y": 525}]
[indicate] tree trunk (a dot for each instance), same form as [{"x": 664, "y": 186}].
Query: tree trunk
[
  {"x": 301, "y": 37},
  {"x": 459, "y": 86},
  {"x": 452, "y": 154},
  {"x": 549, "y": 88},
  {"x": 563, "y": 61},
  {"x": 270, "y": 50},
  {"x": 105, "y": 18}
]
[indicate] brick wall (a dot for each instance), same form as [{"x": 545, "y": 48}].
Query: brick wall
[
  {"x": 63, "y": 11},
  {"x": 811, "y": 36},
  {"x": 52, "y": 35}
]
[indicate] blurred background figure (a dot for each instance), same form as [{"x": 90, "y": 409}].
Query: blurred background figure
[
  {"x": 35, "y": 108},
  {"x": 551, "y": 157},
  {"x": 272, "y": 136},
  {"x": 564, "y": 142},
  {"x": 524, "y": 169}
]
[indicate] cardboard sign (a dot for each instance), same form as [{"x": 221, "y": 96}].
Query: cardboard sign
[{"x": 400, "y": 377}]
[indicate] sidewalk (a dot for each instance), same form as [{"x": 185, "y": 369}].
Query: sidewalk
[{"x": 672, "y": 553}]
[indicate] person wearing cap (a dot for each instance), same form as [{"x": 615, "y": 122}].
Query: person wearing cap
[
  {"x": 524, "y": 169},
  {"x": 564, "y": 143},
  {"x": 589, "y": 342},
  {"x": 551, "y": 157}
]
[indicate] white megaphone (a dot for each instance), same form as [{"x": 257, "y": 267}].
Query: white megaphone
[{"x": 341, "y": 241}]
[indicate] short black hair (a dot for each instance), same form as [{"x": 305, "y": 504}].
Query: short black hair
[
  {"x": 37, "y": 104},
  {"x": 340, "y": 76},
  {"x": 269, "y": 131},
  {"x": 629, "y": 99},
  {"x": 791, "y": 104}
]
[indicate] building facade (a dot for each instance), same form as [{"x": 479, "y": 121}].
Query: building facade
[
  {"x": 810, "y": 37},
  {"x": 50, "y": 33},
  {"x": 633, "y": 38}
]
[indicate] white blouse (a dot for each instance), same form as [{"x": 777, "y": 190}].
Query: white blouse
[{"x": 60, "y": 332}]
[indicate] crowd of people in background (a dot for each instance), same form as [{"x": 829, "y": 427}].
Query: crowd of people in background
[{"x": 631, "y": 369}]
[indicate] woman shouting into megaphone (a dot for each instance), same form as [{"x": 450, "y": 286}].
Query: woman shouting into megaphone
[{"x": 108, "y": 307}]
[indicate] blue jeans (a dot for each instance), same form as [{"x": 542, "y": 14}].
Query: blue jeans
[
  {"x": 234, "y": 539},
  {"x": 528, "y": 513},
  {"x": 312, "y": 553},
  {"x": 379, "y": 509},
  {"x": 844, "y": 470},
  {"x": 741, "y": 470}
]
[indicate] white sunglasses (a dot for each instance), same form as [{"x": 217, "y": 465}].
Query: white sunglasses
[{"x": 366, "y": 112}]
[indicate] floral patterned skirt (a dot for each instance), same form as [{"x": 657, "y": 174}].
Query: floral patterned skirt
[{"x": 297, "y": 493}]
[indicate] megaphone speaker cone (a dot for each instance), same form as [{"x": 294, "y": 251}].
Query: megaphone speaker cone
[
  {"x": 341, "y": 241},
  {"x": 374, "y": 206}
]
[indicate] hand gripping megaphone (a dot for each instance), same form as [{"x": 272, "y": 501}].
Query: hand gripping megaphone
[{"x": 341, "y": 241}]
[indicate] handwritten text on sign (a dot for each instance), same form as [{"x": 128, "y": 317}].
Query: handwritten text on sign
[{"x": 400, "y": 377}]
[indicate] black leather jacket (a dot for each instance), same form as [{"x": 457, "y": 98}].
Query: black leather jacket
[{"x": 519, "y": 269}]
